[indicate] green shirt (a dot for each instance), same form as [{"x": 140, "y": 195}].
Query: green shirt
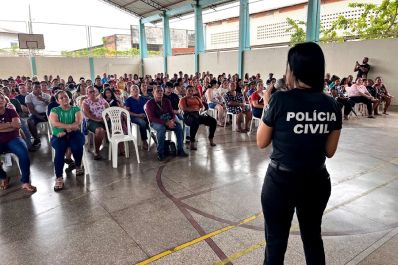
[{"x": 64, "y": 116}]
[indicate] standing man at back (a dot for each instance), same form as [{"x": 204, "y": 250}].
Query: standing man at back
[{"x": 362, "y": 69}]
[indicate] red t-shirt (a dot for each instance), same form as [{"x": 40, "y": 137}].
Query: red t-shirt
[
  {"x": 255, "y": 97},
  {"x": 8, "y": 115}
]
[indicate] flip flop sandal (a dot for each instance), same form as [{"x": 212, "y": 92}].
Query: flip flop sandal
[
  {"x": 4, "y": 183},
  {"x": 28, "y": 187},
  {"x": 59, "y": 184}
]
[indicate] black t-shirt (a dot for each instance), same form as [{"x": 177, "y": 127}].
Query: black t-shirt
[
  {"x": 21, "y": 99},
  {"x": 301, "y": 121},
  {"x": 174, "y": 99},
  {"x": 372, "y": 91},
  {"x": 363, "y": 73}
]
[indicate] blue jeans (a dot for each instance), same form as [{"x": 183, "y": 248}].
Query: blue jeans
[
  {"x": 18, "y": 147},
  {"x": 143, "y": 124},
  {"x": 25, "y": 129},
  {"x": 161, "y": 136},
  {"x": 75, "y": 140}
]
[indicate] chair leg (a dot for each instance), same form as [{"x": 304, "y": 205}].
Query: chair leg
[
  {"x": 126, "y": 149},
  {"x": 136, "y": 152},
  {"x": 251, "y": 126},
  {"x": 110, "y": 151},
  {"x": 234, "y": 122},
  {"x": 114, "y": 148}
]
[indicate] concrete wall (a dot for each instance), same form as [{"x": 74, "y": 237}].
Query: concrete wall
[
  {"x": 13, "y": 66},
  {"x": 219, "y": 62},
  {"x": 153, "y": 65},
  {"x": 77, "y": 67},
  {"x": 340, "y": 60},
  {"x": 117, "y": 66},
  {"x": 185, "y": 63}
]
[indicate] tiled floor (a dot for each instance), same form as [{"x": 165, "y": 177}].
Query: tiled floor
[{"x": 194, "y": 210}]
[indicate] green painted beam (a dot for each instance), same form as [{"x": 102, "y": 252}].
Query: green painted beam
[
  {"x": 143, "y": 45},
  {"x": 244, "y": 34},
  {"x": 92, "y": 70},
  {"x": 199, "y": 36},
  {"x": 34, "y": 65},
  {"x": 166, "y": 41},
  {"x": 313, "y": 20}
]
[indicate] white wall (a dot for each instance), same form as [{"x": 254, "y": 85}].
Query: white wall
[
  {"x": 13, "y": 66},
  {"x": 153, "y": 65},
  {"x": 117, "y": 66},
  {"x": 264, "y": 61},
  {"x": 77, "y": 67},
  {"x": 219, "y": 62},
  {"x": 185, "y": 63},
  {"x": 340, "y": 60}
]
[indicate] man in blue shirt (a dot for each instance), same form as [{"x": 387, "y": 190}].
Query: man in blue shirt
[{"x": 135, "y": 106}]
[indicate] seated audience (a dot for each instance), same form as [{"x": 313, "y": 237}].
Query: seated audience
[
  {"x": 11, "y": 142},
  {"x": 65, "y": 121},
  {"x": 236, "y": 104},
  {"x": 337, "y": 92},
  {"x": 215, "y": 101},
  {"x": 161, "y": 117},
  {"x": 110, "y": 97},
  {"x": 383, "y": 94},
  {"x": 37, "y": 103},
  {"x": 358, "y": 94},
  {"x": 256, "y": 100},
  {"x": 191, "y": 106},
  {"x": 135, "y": 106},
  {"x": 93, "y": 107}
]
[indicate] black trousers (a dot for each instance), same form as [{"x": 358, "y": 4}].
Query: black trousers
[
  {"x": 347, "y": 103},
  {"x": 365, "y": 100},
  {"x": 206, "y": 120},
  {"x": 283, "y": 193}
]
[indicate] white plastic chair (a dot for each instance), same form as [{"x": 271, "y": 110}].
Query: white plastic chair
[
  {"x": 7, "y": 156},
  {"x": 254, "y": 119},
  {"x": 116, "y": 134},
  {"x": 233, "y": 120}
]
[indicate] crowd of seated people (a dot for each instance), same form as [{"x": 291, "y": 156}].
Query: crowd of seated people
[{"x": 160, "y": 102}]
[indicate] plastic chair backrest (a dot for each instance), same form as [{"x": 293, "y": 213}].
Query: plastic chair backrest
[{"x": 115, "y": 115}]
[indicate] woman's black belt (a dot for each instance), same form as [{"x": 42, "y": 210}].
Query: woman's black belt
[{"x": 281, "y": 167}]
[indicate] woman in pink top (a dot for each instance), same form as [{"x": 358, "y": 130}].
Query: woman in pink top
[
  {"x": 92, "y": 108},
  {"x": 359, "y": 94}
]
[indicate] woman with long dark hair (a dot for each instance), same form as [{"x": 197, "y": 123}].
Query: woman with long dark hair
[
  {"x": 304, "y": 126},
  {"x": 111, "y": 98}
]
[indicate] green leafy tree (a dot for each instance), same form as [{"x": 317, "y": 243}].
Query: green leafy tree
[
  {"x": 105, "y": 52},
  {"x": 376, "y": 22},
  {"x": 298, "y": 31}
]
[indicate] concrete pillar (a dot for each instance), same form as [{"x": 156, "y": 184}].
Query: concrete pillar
[
  {"x": 199, "y": 35},
  {"x": 313, "y": 20},
  {"x": 244, "y": 34},
  {"x": 166, "y": 41},
  {"x": 143, "y": 45}
]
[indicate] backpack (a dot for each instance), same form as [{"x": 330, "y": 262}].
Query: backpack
[{"x": 170, "y": 148}]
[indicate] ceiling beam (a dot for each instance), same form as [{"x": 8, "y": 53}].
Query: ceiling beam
[
  {"x": 184, "y": 9},
  {"x": 132, "y": 2},
  {"x": 154, "y": 4},
  {"x": 111, "y": 3}
]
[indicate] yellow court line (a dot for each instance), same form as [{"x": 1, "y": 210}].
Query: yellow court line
[
  {"x": 239, "y": 254},
  {"x": 197, "y": 240}
]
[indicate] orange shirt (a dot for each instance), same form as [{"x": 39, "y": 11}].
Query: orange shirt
[{"x": 190, "y": 102}]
